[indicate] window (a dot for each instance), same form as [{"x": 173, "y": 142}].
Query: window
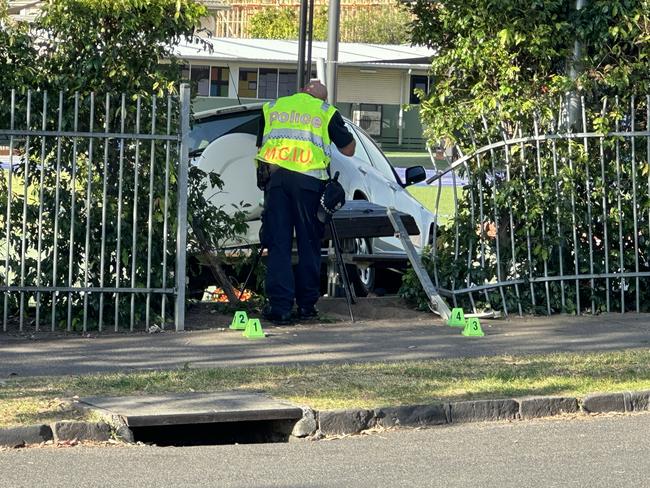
[
  {"x": 268, "y": 83},
  {"x": 370, "y": 107},
  {"x": 200, "y": 77},
  {"x": 377, "y": 157},
  {"x": 360, "y": 152},
  {"x": 219, "y": 81},
  {"x": 206, "y": 130},
  {"x": 287, "y": 83},
  {"x": 206, "y": 80},
  {"x": 369, "y": 117},
  {"x": 420, "y": 82},
  {"x": 247, "y": 83}
]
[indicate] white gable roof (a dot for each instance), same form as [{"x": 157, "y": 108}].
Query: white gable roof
[{"x": 281, "y": 51}]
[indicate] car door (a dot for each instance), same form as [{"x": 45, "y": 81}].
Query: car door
[
  {"x": 225, "y": 145},
  {"x": 383, "y": 185},
  {"x": 353, "y": 170},
  {"x": 377, "y": 190}
]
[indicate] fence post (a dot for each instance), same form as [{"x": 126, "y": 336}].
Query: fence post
[{"x": 181, "y": 229}]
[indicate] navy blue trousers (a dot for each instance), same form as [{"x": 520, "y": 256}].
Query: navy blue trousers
[{"x": 291, "y": 204}]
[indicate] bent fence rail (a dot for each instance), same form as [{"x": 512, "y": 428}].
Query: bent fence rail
[
  {"x": 93, "y": 210},
  {"x": 551, "y": 219}
]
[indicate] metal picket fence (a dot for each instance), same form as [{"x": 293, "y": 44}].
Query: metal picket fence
[
  {"x": 93, "y": 210},
  {"x": 550, "y": 216}
]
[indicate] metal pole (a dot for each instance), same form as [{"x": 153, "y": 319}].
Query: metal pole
[
  {"x": 134, "y": 233},
  {"x": 181, "y": 236},
  {"x": 102, "y": 252},
  {"x": 89, "y": 188},
  {"x": 575, "y": 69},
  {"x": 57, "y": 187},
  {"x": 302, "y": 41},
  {"x": 152, "y": 164},
  {"x": 332, "y": 49},
  {"x": 166, "y": 212},
  {"x": 73, "y": 204},
  {"x": 120, "y": 181},
  {"x": 40, "y": 216},
  {"x": 436, "y": 302},
  {"x": 25, "y": 196},
  {"x": 310, "y": 39},
  {"x": 343, "y": 272}
]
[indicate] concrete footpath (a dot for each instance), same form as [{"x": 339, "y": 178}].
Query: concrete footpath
[
  {"x": 413, "y": 336},
  {"x": 387, "y": 332}
]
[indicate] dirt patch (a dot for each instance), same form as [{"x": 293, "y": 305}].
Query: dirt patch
[
  {"x": 370, "y": 308},
  {"x": 210, "y": 315}
]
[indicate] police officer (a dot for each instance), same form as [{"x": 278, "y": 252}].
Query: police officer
[{"x": 295, "y": 139}]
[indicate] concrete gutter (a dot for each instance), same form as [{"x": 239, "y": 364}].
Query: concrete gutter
[
  {"x": 55, "y": 433},
  {"x": 354, "y": 421},
  {"x": 328, "y": 423}
]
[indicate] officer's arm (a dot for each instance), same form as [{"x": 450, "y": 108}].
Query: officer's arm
[
  {"x": 349, "y": 149},
  {"x": 341, "y": 136}
]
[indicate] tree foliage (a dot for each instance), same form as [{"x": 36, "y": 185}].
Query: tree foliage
[
  {"x": 511, "y": 57},
  {"x": 379, "y": 25},
  {"x": 98, "y": 45},
  {"x": 386, "y": 25},
  {"x": 560, "y": 207},
  {"x": 17, "y": 52},
  {"x": 114, "y": 45},
  {"x": 283, "y": 23},
  {"x": 94, "y": 210}
]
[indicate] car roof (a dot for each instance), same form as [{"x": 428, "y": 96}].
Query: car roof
[
  {"x": 233, "y": 109},
  {"x": 229, "y": 109}
]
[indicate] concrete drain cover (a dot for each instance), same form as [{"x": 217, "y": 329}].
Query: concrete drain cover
[{"x": 193, "y": 408}]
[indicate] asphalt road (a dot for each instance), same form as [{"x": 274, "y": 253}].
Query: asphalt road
[
  {"x": 596, "y": 452},
  {"x": 396, "y": 339}
]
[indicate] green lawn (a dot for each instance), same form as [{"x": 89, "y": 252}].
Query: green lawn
[
  {"x": 427, "y": 196},
  {"x": 414, "y": 158},
  {"x": 32, "y": 400}
]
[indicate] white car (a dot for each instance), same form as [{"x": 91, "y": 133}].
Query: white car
[{"x": 223, "y": 141}]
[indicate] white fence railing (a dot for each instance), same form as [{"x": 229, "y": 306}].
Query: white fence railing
[
  {"x": 550, "y": 219},
  {"x": 93, "y": 210}
]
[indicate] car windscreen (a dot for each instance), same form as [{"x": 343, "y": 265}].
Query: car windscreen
[
  {"x": 208, "y": 129},
  {"x": 378, "y": 158}
]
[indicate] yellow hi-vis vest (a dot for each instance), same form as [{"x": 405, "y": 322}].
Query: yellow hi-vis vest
[{"x": 295, "y": 134}]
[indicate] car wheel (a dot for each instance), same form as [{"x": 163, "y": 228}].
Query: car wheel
[{"x": 362, "y": 277}]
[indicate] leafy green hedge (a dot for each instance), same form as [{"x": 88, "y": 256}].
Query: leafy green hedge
[
  {"x": 77, "y": 48},
  {"x": 502, "y": 67}
]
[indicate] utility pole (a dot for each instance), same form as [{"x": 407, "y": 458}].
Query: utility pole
[
  {"x": 310, "y": 39},
  {"x": 332, "y": 49},
  {"x": 302, "y": 41},
  {"x": 306, "y": 37},
  {"x": 575, "y": 69}
]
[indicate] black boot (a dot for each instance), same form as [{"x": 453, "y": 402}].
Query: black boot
[
  {"x": 307, "y": 313},
  {"x": 274, "y": 317}
]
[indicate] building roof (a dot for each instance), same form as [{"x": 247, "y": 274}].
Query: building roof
[
  {"x": 213, "y": 5},
  {"x": 16, "y": 5},
  {"x": 281, "y": 51},
  {"x": 24, "y": 9}
]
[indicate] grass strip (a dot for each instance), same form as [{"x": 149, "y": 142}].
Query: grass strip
[
  {"x": 427, "y": 196},
  {"x": 332, "y": 386}
]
